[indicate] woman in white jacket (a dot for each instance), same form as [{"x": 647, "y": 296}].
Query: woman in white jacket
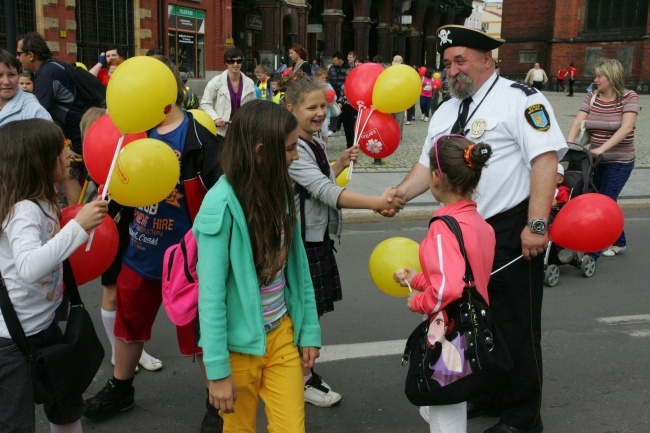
[{"x": 228, "y": 91}]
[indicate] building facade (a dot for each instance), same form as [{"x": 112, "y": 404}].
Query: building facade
[{"x": 558, "y": 32}]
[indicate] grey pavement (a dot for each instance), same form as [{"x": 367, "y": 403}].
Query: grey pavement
[{"x": 371, "y": 179}]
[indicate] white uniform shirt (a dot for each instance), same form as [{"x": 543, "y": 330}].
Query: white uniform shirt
[
  {"x": 519, "y": 125},
  {"x": 31, "y": 252}
]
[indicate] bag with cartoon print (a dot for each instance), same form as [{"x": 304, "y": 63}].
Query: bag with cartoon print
[{"x": 455, "y": 354}]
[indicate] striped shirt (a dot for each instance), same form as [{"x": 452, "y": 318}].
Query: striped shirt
[
  {"x": 605, "y": 118},
  {"x": 273, "y": 305}
]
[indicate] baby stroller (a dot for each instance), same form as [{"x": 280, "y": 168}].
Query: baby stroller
[{"x": 579, "y": 168}]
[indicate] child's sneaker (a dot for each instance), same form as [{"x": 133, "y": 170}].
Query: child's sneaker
[
  {"x": 319, "y": 393},
  {"x": 109, "y": 401}
]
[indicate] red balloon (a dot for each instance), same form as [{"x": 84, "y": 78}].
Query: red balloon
[
  {"x": 360, "y": 82},
  {"x": 590, "y": 222},
  {"x": 330, "y": 96},
  {"x": 380, "y": 136},
  {"x": 99, "y": 147},
  {"x": 438, "y": 82},
  {"x": 435, "y": 87},
  {"x": 422, "y": 71},
  {"x": 87, "y": 266},
  {"x": 287, "y": 71}
]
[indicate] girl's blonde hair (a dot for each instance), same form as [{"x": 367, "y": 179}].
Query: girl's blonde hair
[
  {"x": 296, "y": 85},
  {"x": 29, "y": 153},
  {"x": 89, "y": 118},
  {"x": 613, "y": 71}
]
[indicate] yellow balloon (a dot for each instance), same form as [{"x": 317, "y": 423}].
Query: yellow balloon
[
  {"x": 204, "y": 119},
  {"x": 396, "y": 89},
  {"x": 140, "y": 93},
  {"x": 342, "y": 178},
  {"x": 436, "y": 75},
  {"x": 389, "y": 256},
  {"x": 81, "y": 65},
  {"x": 146, "y": 173}
]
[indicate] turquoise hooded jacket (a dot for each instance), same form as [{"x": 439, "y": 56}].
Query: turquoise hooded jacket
[{"x": 230, "y": 308}]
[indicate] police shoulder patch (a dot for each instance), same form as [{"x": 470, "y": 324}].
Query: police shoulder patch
[
  {"x": 528, "y": 90},
  {"x": 538, "y": 118}
]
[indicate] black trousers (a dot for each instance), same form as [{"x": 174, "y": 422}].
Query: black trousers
[
  {"x": 349, "y": 118},
  {"x": 516, "y": 302},
  {"x": 571, "y": 86}
]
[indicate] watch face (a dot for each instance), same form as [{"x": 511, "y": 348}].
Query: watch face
[{"x": 538, "y": 226}]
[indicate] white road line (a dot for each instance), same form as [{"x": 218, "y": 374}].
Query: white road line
[
  {"x": 640, "y": 334},
  {"x": 625, "y": 320},
  {"x": 340, "y": 352}
]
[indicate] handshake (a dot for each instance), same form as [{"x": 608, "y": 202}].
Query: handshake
[{"x": 392, "y": 202}]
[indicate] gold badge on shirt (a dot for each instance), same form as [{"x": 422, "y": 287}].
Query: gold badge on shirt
[{"x": 478, "y": 128}]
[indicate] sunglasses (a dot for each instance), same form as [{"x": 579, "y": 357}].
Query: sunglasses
[
  {"x": 233, "y": 61},
  {"x": 18, "y": 53}
]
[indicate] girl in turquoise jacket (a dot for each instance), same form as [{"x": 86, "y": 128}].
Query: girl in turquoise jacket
[{"x": 257, "y": 310}]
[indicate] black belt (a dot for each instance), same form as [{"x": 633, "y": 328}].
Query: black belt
[{"x": 521, "y": 207}]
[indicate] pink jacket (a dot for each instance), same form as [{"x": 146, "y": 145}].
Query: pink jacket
[{"x": 443, "y": 267}]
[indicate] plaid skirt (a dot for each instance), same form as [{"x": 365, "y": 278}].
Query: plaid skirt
[{"x": 324, "y": 275}]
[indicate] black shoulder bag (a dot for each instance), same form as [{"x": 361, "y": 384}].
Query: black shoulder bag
[
  {"x": 67, "y": 367},
  {"x": 455, "y": 355}
]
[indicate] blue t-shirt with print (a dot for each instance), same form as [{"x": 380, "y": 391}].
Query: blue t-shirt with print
[{"x": 157, "y": 227}]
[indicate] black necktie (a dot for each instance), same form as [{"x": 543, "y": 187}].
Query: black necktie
[{"x": 459, "y": 126}]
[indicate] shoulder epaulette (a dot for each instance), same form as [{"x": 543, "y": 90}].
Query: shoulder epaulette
[{"x": 528, "y": 90}]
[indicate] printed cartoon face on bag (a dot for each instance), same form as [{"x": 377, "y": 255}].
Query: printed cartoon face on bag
[{"x": 447, "y": 363}]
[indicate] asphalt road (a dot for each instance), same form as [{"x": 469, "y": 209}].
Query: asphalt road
[{"x": 596, "y": 349}]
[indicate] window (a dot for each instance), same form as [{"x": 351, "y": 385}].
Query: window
[
  {"x": 621, "y": 16},
  {"x": 527, "y": 56},
  {"x": 186, "y": 43},
  {"x": 485, "y": 27},
  {"x": 25, "y": 19},
  {"x": 102, "y": 23}
]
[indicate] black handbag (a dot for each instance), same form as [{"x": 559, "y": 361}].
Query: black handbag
[
  {"x": 65, "y": 369},
  {"x": 464, "y": 352}
]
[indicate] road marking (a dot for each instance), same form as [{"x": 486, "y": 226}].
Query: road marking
[
  {"x": 625, "y": 320},
  {"x": 640, "y": 334},
  {"x": 340, "y": 352}
]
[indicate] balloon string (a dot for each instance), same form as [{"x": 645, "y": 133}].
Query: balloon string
[
  {"x": 409, "y": 286},
  {"x": 108, "y": 181},
  {"x": 506, "y": 265}
]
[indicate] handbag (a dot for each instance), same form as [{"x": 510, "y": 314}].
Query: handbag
[
  {"x": 584, "y": 136},
  {"x": 468, "y": 352},
  {"x": 66, "y": 368},
  {"x": 335, "y": 110}
]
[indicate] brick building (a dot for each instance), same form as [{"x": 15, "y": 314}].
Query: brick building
[{"x": 557, "y": 32}]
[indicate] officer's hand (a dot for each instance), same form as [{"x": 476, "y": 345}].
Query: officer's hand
[{"x": 532, "y": 244}]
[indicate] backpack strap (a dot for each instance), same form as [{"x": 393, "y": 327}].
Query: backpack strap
[{"x": 455, "y": 229}]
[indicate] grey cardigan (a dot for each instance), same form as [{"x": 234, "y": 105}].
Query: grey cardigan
[{"x": 320, "y": 206}]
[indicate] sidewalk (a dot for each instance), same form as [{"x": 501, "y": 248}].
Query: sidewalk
[{"x": 371, "y": 179}]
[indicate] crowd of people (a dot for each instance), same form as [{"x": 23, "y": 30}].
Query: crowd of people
[{"x": 261, "y": 198}]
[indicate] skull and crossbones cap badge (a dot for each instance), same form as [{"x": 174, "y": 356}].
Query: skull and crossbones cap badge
[{"x": 453, "y": 35}]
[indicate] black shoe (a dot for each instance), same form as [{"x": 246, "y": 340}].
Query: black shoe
[
  {"x": 502, "y": 428},
  {"x": 212, "y": 422},
  {"x": 378, "y": 162},
  {"x": 109, "y": 401},
  {"x": 476, "y": 411}
]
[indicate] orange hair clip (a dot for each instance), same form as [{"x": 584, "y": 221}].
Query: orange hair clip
[{"x": 468, "y": 157}]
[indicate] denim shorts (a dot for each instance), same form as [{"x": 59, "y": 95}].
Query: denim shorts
[{"x": 17, "y": 390}]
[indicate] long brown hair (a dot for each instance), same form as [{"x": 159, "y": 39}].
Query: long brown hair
[
  {"x": 460, "y": 161},
  {"x": 29, "y": 152},
  {"x": 261, "y": 180}
]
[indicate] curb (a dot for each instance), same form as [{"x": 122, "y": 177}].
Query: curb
[{"x": 425, "y": 211}]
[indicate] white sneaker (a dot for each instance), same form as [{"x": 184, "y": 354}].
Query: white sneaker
[
  {"x": 422, "y": 117},
  {"x": 426, "y": 119},
  {"x": 424, "y": 413},
  {"x": 319, "y": 393}
]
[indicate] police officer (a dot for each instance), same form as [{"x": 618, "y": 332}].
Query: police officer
[{"x": 514, "y": 196}]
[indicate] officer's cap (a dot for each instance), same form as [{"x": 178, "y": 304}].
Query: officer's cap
[{"x": 460, "y": 36}]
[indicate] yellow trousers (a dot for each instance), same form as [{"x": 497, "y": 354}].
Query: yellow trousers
[{"x": 277, "y": 378}]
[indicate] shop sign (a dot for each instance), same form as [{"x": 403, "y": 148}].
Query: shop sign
[
  {"x": 314, "y": 28},
  {"x": 186, "y": 38},
  {"x": 181, "y": 18},
  {"x": 254, "y": 22}
]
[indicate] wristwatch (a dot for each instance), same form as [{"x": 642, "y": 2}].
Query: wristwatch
[{"x": 537, "y": 226}]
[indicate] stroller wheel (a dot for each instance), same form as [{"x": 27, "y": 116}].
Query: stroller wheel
[
  {"x": 552, "y": 275},
  {"x": 588, "y": 266}
]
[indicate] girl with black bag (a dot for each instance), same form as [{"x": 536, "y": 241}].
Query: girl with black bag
[
  {"x": 32, "y": 249},
  {"x": 456, "y": 165}
]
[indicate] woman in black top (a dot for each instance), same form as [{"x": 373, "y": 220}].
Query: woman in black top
[{"x": 299, "y": 55}]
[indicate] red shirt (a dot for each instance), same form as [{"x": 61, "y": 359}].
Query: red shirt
[
  {"x": 102, "y": 76},
  {"x": 561, "y": 74},
  {"x": 573, "y": 72}
]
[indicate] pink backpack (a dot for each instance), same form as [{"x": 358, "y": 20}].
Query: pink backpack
[{"x": 180, "y": 283}]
